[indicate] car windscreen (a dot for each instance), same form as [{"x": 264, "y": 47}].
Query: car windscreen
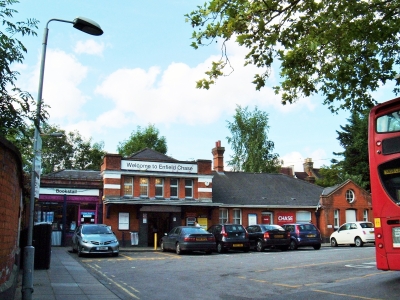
[
  {"x": 367, "y": 225},
  {"x": 234, "y": 228},
  {"x": 95, "y": 230},
  {"x": 307, "y": 227},
  {"x": 197, "y": 230},
  {"x": 272, "y": 227}
]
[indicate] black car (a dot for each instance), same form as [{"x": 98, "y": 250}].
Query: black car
[
  {"x": 188, "y": 238},
  {"x": 303, "y": 234},
  {"x": 268, "y": 236},
  {"x": 230, "y": 236}
]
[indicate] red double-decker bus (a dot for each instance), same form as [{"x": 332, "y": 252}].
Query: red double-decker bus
[{"x": 384, "y": 162}]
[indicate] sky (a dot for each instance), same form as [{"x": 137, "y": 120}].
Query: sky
[{"x": 143, "y": 71}]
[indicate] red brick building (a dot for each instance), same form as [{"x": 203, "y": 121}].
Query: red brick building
[
  {"x": 149, "y": 193},
  {"x": 343, "y": 203}
]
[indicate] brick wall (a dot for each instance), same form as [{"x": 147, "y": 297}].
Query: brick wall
[{"x": 11, "y": 193}]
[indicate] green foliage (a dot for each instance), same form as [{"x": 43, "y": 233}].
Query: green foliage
[
  {"x": 250, "y": 144},
  {"x": 143, "y": 138},
  {"x": 354, "y": 139},
  {"x": 15, "y": 104},
  {"x": 355, "y": 164},
  {"x": 342, "y": 50},
  {"x": 70, "y": 151}
]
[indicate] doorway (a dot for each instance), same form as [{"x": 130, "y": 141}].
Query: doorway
[{"x": 158, "y": 222}]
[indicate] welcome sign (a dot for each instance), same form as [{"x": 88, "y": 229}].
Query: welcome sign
[{"x": 151, "y": 166}]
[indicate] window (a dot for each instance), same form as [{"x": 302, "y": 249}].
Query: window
[
  {"x": 336, "y": 218},
  {"x": 144, "y": 187},
  {"x": 174, "y": 188},
  {"x": 223, "y": 215},
  {"x": 350, "y": 196},
  {"x": 237, "y": 216},
  {"x": 365, "y": 215},
  {"x": 128, "y": 186},
  {"x": 159, "y": 188},
  {"x": 188, "y": 188}
]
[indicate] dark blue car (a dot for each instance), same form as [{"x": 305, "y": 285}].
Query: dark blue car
[{"x": 303, "y": 234}]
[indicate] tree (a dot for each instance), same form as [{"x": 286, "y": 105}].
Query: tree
[
  {"x": 70, "y": 151},
  {"x": 15, "y": 104},
  {"x": 354, "y": 139},
  {"x": 342, "y": 50},
  {"x": 143, "y": 138},
  {"x": 250, "y": 144}
]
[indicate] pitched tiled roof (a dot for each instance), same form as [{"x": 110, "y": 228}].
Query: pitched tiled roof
[
  {"x": 239, "y": 188},
  {"x": 75, "y": 174},
  {"x": 150, "y": 154}
]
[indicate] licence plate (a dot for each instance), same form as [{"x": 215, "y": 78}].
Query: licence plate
[
  {"x": 278, "y": 236},
  {"x": 310, "y": 235},
  {"x": 237, "y": 245},
  {"x": 201, "y": 239},
  {"x": 371, "y": 231},
  {"x": 102, "y": 248}
]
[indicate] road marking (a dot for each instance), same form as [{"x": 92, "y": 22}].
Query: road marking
[
  {"x": 314, "y": 265},
  {"x": 116, "y": 283},
  {"x": 345, "y": 295}
]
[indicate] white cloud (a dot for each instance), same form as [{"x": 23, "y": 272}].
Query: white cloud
[
  {"x": 62, "y": 76},
  {"x": 89, "y": 47}
]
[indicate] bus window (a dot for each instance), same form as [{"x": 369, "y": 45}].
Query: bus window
[
  {"x": 390, "y": 178},
  {"x": 388, "y": 123}
]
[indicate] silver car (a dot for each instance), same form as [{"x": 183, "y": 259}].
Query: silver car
[{"x": 94, "y": 239}]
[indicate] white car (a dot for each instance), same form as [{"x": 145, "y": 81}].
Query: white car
[{"x": 353, "y": 234}]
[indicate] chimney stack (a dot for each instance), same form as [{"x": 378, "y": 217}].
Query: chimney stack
[{"x": 218, "y": 157}]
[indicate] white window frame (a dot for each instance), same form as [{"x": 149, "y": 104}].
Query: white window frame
[
  {"x": 128, "y": 182},
  {"x": 223, "y": 215},
  {"x": 350, "y": 196},
  {"x": 189, "y": 188},
  {"x": 237, "y": 216},
  {"x": 336, "y": 219},
  {"x": 144, "y": 185},
  {"x": 365, "y": 215},
  {"x": 159, "y": 186},
  {"x": 174, "y": 186}
]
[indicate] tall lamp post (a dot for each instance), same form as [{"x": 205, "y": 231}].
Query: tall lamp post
[{"x": 87, "y": 26}]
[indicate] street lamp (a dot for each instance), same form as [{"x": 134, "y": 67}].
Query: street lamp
[{"x": 90, "y": 27}]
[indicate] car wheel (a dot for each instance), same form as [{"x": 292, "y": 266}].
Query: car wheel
[
  {"x": 292, "y": 245},
  {"x": 334, "y": 242},
  {"x": 80, "y": 251},
  {"x": 358, "y": 242},
  {"x": 317, "y": 247},
  {"x": 220, "y": 248},
  {"x": 259, "y": 246},
  {"x": 162, "y": 247},
  {"x": 178, "y": 249}
]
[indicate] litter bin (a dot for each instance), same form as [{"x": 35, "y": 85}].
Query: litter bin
[
  {"x": 134, "y": 238},
  {"x": 42, "y": 243},
  {"x": 41, "y": 240}
]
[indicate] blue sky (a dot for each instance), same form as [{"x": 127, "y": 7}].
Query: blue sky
[{"x": 142, "y": 70}]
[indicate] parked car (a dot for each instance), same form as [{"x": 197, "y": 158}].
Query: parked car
[
  {"x": 94, "y": 239},
  {"x": 230, "y": 236},
  {"x": 302, "y": 235},
  {"x": 188, "y": 238},
  {"x": 353, "y": 234},
  {"x": 268, "y": 236}
]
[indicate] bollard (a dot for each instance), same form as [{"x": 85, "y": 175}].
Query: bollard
[{"x": 155, "y": 240}]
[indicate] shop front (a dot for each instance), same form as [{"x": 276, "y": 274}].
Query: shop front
[{"x": 65, "y": 209}]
